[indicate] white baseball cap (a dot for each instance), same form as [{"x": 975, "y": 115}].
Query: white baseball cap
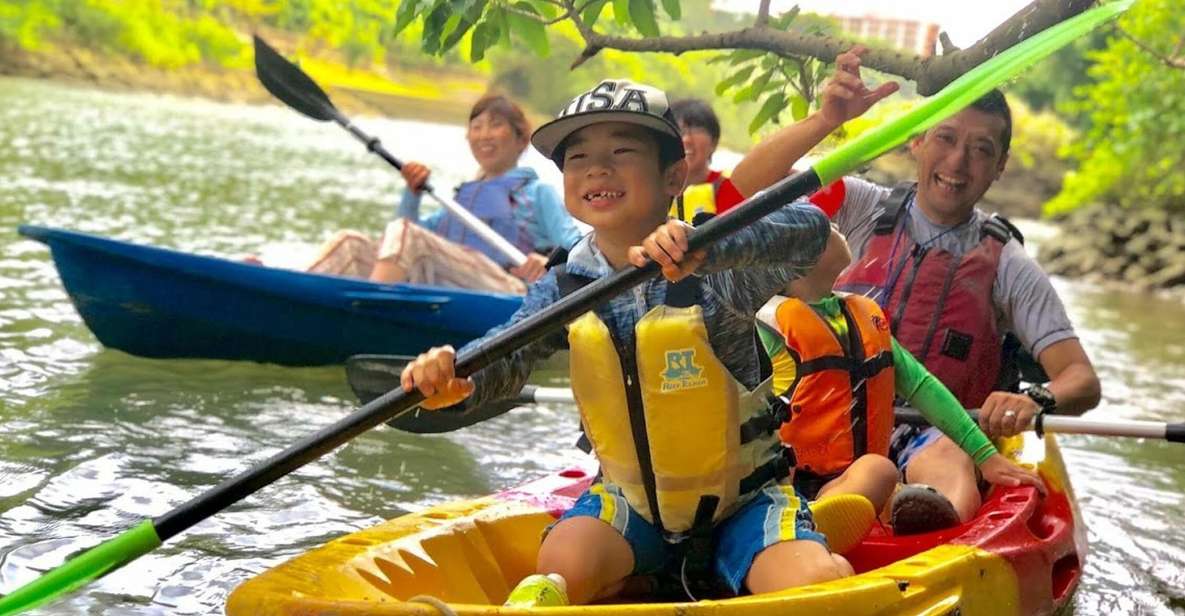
[{"x": 612, "y": 100}]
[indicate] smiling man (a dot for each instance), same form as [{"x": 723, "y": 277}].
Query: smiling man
[{"x": 953, "y": 282}]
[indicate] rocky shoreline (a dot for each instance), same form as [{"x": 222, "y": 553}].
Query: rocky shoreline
[{"x": 1142, "y": 249}]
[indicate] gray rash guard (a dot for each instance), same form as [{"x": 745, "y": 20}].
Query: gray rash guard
[{"x": 1024, "y": 299}]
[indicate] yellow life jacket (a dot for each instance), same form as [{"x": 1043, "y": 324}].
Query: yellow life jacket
[
  {"x": 668, "y": 422},
  {"x": 696, "y": 198}
]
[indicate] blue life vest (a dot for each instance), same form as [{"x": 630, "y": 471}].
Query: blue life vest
[{"x": 491, "y": 201}]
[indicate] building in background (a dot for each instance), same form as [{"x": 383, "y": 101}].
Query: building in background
[{"x": 906, "y": 34}]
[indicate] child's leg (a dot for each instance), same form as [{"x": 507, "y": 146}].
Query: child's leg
[
  {"x": 771, "y": 544},
  {"x": 591, "y": 555},
  {"x": 871, "y": 476},
  {"x": 795, "y": 563},
  {"x": 942, "y": 465},
  {"x": 598, "y": 543}
]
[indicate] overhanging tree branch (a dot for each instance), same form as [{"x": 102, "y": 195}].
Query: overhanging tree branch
[
  {"x": 1172, "y": 60},
  {"x": 931, "y": 74}
]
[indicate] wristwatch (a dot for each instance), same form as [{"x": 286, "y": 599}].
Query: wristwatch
[{"x": 1043, "y": 397}]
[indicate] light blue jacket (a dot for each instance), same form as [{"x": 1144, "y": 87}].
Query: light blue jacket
[{"x": 538, "y": 212}]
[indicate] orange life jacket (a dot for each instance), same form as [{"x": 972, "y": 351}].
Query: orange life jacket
[{"x": 841, "y": 403}]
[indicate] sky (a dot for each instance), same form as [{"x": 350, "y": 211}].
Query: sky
[{"x": 965, "y": 22}]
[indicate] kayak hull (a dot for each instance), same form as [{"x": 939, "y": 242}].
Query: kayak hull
[
  {"x": 1022, "y": 555},
  {"x": 155, "y": 302}
]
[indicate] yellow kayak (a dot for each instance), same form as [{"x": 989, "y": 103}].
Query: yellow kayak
[{"x": 1023, "y": 554}]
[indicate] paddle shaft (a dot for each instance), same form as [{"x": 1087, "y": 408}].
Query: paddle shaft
[
  {"x": 1059, "y": 424},
  {"x": 475, "y": 224},
  {"x": 395, "y": 403}
]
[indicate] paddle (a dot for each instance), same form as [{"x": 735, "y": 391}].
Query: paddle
[
  {"x": 149, "y": 534},
  {"x": 368, "y": 374},
  {"x": 294, "y": 88}
]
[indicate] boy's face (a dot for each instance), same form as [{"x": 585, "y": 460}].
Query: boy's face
[{"x": 612, "y": 179}]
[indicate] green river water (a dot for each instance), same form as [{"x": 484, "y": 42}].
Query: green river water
[{"x": 93, "y": 440}]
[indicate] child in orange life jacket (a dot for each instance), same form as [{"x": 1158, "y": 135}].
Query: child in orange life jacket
[
  {"x": 669, "y": 385},
  {"x": 837, "y": 367}
]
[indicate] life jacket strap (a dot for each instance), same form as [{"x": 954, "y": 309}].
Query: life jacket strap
[{"x": 894, "y": 207}]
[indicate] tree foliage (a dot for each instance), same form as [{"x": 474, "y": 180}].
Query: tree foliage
[{"x": 1133, "y": 151}]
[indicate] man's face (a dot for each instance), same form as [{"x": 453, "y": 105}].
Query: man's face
[
  {"x": 612, "y": 179},
  {"x": 957, "y": 161},
  {"x": 699, "y": 146}
]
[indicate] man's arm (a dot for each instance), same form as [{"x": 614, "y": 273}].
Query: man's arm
[
  {"x": 844, "y": 97},
  {"x": 1073, "y": 381}
]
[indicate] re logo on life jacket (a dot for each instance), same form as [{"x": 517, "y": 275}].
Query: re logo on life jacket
[{"x": 681, "y": 372}]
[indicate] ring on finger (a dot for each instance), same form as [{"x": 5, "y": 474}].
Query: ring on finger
[{"x": 1010, "y": 414}]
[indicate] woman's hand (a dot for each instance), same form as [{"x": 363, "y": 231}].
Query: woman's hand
[
  {"x": 416, "y": 175},
  {"x": 667, "y": 246},
  {"x": 531, "y": 270},
  {"x": 433, "y": 374}
]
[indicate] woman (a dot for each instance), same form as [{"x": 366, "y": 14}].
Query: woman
[{"x": 438, "y": 249}]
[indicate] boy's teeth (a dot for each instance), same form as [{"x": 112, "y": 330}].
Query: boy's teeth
[{"x": 603, "y": 195}]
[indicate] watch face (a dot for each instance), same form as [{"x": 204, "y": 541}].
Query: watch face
[{"x": 1041, "y": 396}]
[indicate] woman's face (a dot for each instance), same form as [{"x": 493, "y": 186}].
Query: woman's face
[{"x": 494, "y": 144}]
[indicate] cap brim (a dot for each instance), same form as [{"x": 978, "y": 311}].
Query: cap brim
[{"x": 549, "y": 136}]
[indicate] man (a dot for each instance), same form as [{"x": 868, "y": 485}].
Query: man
[
  {"x": 952, "y": 280},
  {"x": 707, "y": 191}
]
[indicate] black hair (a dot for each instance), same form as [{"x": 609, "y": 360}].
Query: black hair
[
  {"x": 670, "y": 149},
  {"x": 697, "y": 113},
  {"x": 994, "y": 103}
]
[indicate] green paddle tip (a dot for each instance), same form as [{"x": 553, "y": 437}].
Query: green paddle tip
[
  {"x": 962, "y": 92},
  {"x": 82, "y": 569}
]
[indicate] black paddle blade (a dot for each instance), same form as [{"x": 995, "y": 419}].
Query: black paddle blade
[
  {"x": 371, "y": 376},
  {"x": 291, "y": 85}
]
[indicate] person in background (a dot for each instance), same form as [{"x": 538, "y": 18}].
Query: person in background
[
  {"x": 707, "y": 191},
  {"x": 437, "y": 249}
]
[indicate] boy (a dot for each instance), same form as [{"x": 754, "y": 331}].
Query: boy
[
  {"x": 838, "y": 367},
  {"x": 669, "y": 383}
]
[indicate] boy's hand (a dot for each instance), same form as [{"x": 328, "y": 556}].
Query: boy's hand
[
  {"x": 1001, "y": 471},
  {"x": 432, "y": 373},
  {"x": 667, "y": 246},
  {"x": 416, "y": 175},
  {"x": 844, "y": 95}
]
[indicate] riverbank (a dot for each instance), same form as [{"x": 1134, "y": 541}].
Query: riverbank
[
  {"x": 439, "y": 96},
  {"x": 1139, "y": 249}
]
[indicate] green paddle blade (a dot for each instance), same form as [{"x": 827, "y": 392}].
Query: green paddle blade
[
  {"x": 962, "y": 92},
  {"x": 82, "y": 569}
]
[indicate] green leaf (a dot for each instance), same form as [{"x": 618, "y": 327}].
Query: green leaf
[
  {"x": 546, "y": 9},
  {"x": 673, "y": 8},
  {"x": 734, "y": 79},
  {"x": 784, "y": 20},
  {"x": 484, "y": 36},
  {"x": 470, "y": 17},
  {"x": 449, "y": 26},
  {"x": 592, "y": 12},
  {"x": 433, "y": 25},
  {"x": 737, "y": 57},
  {"x": 405, "y": 15},
  {"x": 759, "y": 84},
  {"x": 530, "y": 30},
  {"x": 621, "y": 12},
  {"x": 798, "y": 107},
  {"x": 499, "y": 18},
  {"x": 774, "y": 104},
  {"x": 642, "y": 14}
]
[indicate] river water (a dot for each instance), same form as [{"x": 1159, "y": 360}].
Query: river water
[{"x": 93, "y": 440}]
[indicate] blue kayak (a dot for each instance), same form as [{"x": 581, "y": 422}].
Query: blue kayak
[{"x": 155, "y": 302}]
